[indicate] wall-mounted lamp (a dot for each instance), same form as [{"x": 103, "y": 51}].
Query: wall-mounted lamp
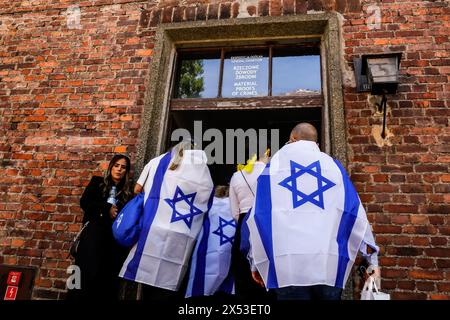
[{"x": 378, "y": 74}]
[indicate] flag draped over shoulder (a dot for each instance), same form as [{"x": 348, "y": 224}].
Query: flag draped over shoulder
[
  {"x": 174, "y": 206},
  {"x": 308, "y": 222},
  {"x": 211, "y": 259}
]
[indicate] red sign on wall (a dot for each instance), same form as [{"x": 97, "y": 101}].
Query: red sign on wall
[
  {"x": 14, "y": 278},
  {"x": 11, "y": 293}
]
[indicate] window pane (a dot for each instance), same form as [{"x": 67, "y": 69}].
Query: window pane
[
  {"x": 245, "y": 74},
  {"x": 295, "y": 72},
  {"x": 198, "y": 76}
]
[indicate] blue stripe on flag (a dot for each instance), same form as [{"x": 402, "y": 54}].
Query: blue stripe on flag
[
  {"x": 263, "y": 221},
  {"x": 198, "y": 287},
  {"x": 351, "y": 207},
  {"x": 245, "y": 235},
  {"x": 150, "y": 208}
]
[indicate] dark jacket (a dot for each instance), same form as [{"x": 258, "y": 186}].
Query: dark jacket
[
  {"x": 93, "y": 202},
  {"x": 99, "y": 257}
]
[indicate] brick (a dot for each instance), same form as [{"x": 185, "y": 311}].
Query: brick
[
  {"x": 387, "y": 284},
  {"x": 436, "y": 220},
  {"x": 315, "y": 5},
  {"x": 166, "y": 16},
  {"x": 397, "y": 178},
  {"x": 408, "y": 296},
  {"x": 443, "y": 287},
  {"x": 144, "y": 18},
  {"x": 275, "y": 8},
  {"x": 438, "y": 241},
  {"x": 406, "y": 285},
  {"x": 45, "y": 294},
  {"x": 288, "y": 7},
  {"x": 421, "y": 229},
  {"x": 439, "y": 297},
  {"x": 426, "y": 274},
  {"x": 167, "y": 3},
  {"x": 405, "y": 251},
  {"x": 387, "y": 229},
  {"x": 405, "y": 262},
  {"x": 329, "y": 5},
  {"x": 144, "y": 52},
  {"x": 235, "y": 9},
  {"x": 393, "y": 273},
  {"x": 438, "y": 252},
  {"x": 17, "y": 243},
  {"x": 438, "y": 209},
  {"x": 190, "y": 13},
  {"x": 400, "y": 219},
  {"x": 120, "y": 149},
  {"x": 341, "y": 5},
  {"x": 400, "y": 208},
  {"x": 426, "y": 286},
  {"x": 387, "y": 261},
  {"x": 155, "y": 17},
  {"x": 263, "y": 8},
  {"x": 213, "y": 12},
  {"x": 419, "y": 219},
  {"x": 201, "y": 12},
  {"x": 425, "y": 263},
  {"x": 225, "y": 10},
  {"x": 251, "y": 10},
  {"x": 354, "y": 6},
  {"x": 126, "y": 117}
]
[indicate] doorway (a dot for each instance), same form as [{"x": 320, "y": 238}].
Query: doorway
[{"x": 282, "y": 120}]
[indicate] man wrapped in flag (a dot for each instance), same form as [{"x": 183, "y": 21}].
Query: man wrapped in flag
[
  {"x": 210, "y": 263},
  {"x": 178, "y": 192},
  {"x": 307, "y": 223}
]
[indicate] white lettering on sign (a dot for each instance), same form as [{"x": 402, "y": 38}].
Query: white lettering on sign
[
  {"x": 74, "y": 280},
  {"x": 245, "y": 68}
]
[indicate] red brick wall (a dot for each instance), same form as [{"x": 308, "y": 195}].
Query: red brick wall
[{"x": 71, "y": 98}]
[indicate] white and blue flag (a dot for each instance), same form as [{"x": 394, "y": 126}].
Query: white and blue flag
[
  {"x": 308, "y": 222},
  {"x": 174, "y": 206},
  {"x": 211, "y": 259}
]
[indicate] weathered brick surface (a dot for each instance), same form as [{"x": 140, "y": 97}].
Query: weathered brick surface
[{"x": 70, "y": 98}]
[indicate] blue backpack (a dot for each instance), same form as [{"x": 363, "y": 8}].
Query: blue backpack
[{"x": 127, "y": 226}]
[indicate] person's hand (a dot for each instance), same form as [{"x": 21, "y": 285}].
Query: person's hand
[
  {"x": 257, "y": 278},
  {"x": 137, "y": 188},
  {"x": 113, "y": 212}
]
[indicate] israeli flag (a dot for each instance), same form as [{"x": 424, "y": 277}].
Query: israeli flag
[
  {"x": 211, "y": 259},
  {"x": 174, "y": 206},
  {"x": 308, "y": 222}
]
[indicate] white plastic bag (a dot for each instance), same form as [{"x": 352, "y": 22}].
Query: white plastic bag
[{"x": 367, "y": 292}]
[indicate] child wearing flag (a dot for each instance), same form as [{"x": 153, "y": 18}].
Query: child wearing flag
[
  {"x": 242, "y": 195},
  {"x": 210, "y": 265},
  {"x": 307, "y": 223},
  {"x": 178, "y": 193}
]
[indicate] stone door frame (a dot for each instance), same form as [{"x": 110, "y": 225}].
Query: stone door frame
[{"x": 172, "y": 36}]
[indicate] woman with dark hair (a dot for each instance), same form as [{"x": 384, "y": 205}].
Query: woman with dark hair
[{"x": 99, "y": 257}]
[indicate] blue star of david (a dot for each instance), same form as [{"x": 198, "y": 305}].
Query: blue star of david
[
  {"x": 223, "y": 237},
  {"x": 189, "y": 199},
  {"x": 299, "y": 198}
]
